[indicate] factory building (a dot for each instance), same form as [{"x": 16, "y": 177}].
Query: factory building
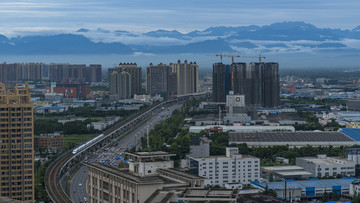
[
  {"x": 221, "y": 170},
  {"x": 323, "y": 166}
]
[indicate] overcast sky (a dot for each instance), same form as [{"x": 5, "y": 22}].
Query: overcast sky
[{"x": 183, "y": 15}]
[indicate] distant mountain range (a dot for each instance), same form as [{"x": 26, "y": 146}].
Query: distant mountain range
[{"x": 285, "y": 37}]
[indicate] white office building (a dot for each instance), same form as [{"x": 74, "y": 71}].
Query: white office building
[
  {"x": 232, "y": 168},
  {"x": 323, "y": 166}
]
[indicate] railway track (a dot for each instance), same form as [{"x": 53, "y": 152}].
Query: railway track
[
  {"x": 52, "y": 181},
  {"x": 52, "y": 176}
]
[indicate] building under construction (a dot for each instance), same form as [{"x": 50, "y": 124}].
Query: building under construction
[{"x": 259, "y": 82}]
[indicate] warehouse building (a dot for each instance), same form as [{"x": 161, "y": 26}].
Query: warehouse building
[
  {"x": 284, "y": 172},
  {"x": 307, "y": 189},
  {"x": 241, "y": 129},
  {"x": 323, "y": 166},
  {"x": 293, "y": 139}
]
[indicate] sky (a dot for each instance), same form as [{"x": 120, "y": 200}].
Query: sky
[{"x": 54, "y": 16}]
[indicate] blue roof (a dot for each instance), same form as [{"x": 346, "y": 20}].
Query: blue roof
[
  {"x": 353, "y": 133},
  {"x": 324, "y": 183}
]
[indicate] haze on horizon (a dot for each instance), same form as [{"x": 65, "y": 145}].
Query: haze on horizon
[{"x": 36, "y": 17}]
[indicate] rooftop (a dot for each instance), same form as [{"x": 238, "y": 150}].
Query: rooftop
[
  {"x": 223, "y": 157},
  {"x": 289, "y": 137},
  {"x": 209, "y": 193},
  {"x": 353, "y": 133},
  {"x": 326, "y": 161},
  {"x": 324, "y": 183},
  {"x": 257, "y": 198},
  {"x": 124, "y": 173},
  {"x": 294, "y": 173},
  {"x": 206, "y": 117},
  {"x": 282, "y": 168},
  {"x": 279, "y": 117},
  {"x": 150, "y": 154},
  {"x": 180, "y": 173}
]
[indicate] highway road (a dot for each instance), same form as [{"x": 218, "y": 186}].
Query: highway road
[
  {"x": 113, "y": 155},
  {"x": 78, "y": 185}
]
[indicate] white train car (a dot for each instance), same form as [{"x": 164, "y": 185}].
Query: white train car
[{"x": 87, "y": 144}]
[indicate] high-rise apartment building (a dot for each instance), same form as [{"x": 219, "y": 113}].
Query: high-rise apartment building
[
  {"x": 259, "y": 82},
  {"x": 134, "y": 72},
  {"x": 157, "y": 79},
  {"x": 187, "y": 77},
  {"x": 120, "y": 84},
  {"x": 18, "y": 72},
  {"x": 16, "y": 141}
]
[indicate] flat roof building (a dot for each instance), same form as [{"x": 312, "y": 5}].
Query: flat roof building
[
  {"x": 284, "y": 172},
  {"x": 148, "y": 172},
  {"x": 241, "y": 129},
  {"x": 298, "y": 139},
  {"x": 307, "y": 189},
  {"x": 323, "y": 166},
  {"x": 232, "y": 168}
]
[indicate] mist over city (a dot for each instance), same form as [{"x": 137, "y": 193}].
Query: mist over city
[{"x": 179, "y": 101}]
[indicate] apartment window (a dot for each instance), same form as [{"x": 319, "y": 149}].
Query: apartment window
[
  {"x": 105, "y": 196},
  {"x": 106, "y": 185}
]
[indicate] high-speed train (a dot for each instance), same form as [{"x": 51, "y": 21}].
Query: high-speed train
[{"x": 87, "y": 144}]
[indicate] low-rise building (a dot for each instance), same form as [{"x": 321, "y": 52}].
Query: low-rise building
[
  {"x": 240, "y": 128},
  {"x": 148, "y": 173},
  {"x": 285, "y": 119},
  {"x": 232, "y": 168},
  {"x": 284, "y": 172},
  {"x": 354, "y": 188},
  {"x": 281, "y": 160},
  {"x": 199, "y": 147},
  {"x": 323, "y": 166},
  {"x": 108, "y": 121},
  {"x": 307, "y": 190},
  {"x": 292, "y": 139},
  {"x": 50, "y": 109},
  {"x": 352, "y": 125},
  {"x": 52, "y": 142}
]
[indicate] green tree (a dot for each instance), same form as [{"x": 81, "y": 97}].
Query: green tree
[
  {"x": 356, "y": 199},
  {"x": 335, "y": 196},
  {"x": 325, "y": 197}
]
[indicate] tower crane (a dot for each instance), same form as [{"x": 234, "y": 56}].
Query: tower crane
[
  {"x": 259, "y": 57},
  {"x": 226, "y": 55},
  {"x": 232, "y": 57},
  {"x": 221, "y": 56}
]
